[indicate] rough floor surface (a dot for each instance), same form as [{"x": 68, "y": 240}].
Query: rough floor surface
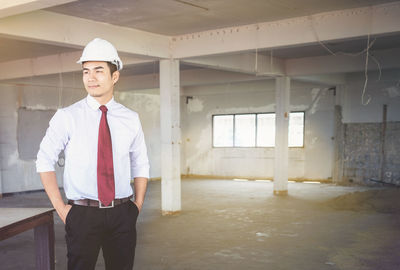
[{"x": 227, "y": 224}]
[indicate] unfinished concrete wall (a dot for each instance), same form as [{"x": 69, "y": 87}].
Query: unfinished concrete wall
[
  {"x": 147, "y": 105},
  {"x": 371, "y": 149},
  {"x": 17, "y": 174},
  {"x": 41, "y": 95},
  {"x": 371, "y": 154},
  {"x": 314, "y": 161}
]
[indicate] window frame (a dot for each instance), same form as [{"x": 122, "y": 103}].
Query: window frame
[{"x": 256, "y": 129}]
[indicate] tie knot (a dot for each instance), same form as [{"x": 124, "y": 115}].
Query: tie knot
[{"x": 103, "y": 108}]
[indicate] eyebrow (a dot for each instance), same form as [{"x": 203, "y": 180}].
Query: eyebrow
[{"x": 96, "y": 68}]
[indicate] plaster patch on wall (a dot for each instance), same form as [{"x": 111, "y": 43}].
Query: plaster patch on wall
[
  {"x": 298, "y": 108},
  {"x": 40, "y": 107},
  {"x": 151, "y": 103},
  {"x": 12, "y": 159},
  {"x": 238, "y": 110},
  {"x": 314, "y": 141},
  {"x": 195, "y": 105},
  {"x": 316, "y": 94},
  {"x": 392, "y": 91}
]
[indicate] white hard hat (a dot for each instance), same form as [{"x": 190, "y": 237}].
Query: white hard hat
[{"x": 101, "y": 50}]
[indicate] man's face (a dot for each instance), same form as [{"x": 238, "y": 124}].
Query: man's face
[{"x": 98, "y": 81}]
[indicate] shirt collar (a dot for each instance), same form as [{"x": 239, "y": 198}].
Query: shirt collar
[{"x": 94, "y": 104}]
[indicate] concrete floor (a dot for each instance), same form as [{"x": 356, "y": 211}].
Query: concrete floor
[{"x": 232, "y": 225}]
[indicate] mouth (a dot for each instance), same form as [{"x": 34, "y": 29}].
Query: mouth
[{"x": 93, "y": 86}]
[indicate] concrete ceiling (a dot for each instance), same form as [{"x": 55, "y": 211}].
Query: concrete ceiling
[
  {"x": 176, "y": 17},
  {"x": 28, "y": 36},
  {"x": 13, "y": 49},
  {"x": 352, "y": 46}
]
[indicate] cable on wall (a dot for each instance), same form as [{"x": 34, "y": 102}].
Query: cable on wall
[
  {"x": 366, "y": 77},
  {"x": 366, "y": 51}
]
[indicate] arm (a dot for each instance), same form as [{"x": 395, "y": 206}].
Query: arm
[
  {"x": 140, "y": 184},
  {"x": 53, "y": 142},
  {"x": 49, "y": 182},
  {"x": 139, "y": 166}
]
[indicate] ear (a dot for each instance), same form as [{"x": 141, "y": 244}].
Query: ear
[{"x": 115, "y": 77}]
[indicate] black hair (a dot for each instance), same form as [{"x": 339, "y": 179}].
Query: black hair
[{"x": 112, "y": 68}]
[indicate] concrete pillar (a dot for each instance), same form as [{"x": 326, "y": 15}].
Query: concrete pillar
[
  {"x": 337, "y": 173},
  {"x": 1, "y": 184},
  {"x": 282, "y": 97},
  {"x": 170, "y": 136}
]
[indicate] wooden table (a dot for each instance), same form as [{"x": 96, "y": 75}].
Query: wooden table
[{"x": 16, "y": 220}]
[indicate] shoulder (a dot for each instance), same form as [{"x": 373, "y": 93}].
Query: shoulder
[
  {"x": 122, "y": 110},
  {"x": 79, "y": 105},
  {"x": 69, "y": 113}
]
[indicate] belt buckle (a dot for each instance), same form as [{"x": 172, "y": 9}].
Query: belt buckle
[{"x": 103, "y": 206}]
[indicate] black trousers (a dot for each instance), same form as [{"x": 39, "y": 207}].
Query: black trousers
[{"x": 90, "y": 228}]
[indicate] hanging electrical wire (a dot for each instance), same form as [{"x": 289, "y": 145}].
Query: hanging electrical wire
[
  {"x": 366, "y": 51},
  {"x": 366, "y": 77}
]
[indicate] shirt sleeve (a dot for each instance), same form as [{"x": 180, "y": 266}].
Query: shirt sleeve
[
  {"x": 138, "y": 155},
  {"x": 55, "y": 140}
]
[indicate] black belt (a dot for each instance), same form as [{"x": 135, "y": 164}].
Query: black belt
[{"x": 94, "y": 203}]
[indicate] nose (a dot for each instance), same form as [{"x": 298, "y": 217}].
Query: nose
[{"x": 91, "y": 76}]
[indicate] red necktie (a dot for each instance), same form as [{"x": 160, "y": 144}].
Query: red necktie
[{"x": 105, "y": 167}]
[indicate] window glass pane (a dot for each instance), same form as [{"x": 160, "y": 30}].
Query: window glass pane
[
  {"x": 266, "y": 130},
  {"x": 296, "y": 129},
  {"x": 245, "y": 130},
  {"x": 223, "y": 130}
]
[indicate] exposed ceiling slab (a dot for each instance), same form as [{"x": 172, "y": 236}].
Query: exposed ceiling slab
[
  {"x": 322, "y": 27},
  {"x": 50, "y": 64},
  {"x": 62, "y": 30},
  {"x": 13, "y": 7},
  {"x": 13, "y": 49},
  {"x": 173, "y": 17},
  {"x": 332, "y": 64},
  {"x": 250, "y": 63},
  {"x": 296, "y": 36}
]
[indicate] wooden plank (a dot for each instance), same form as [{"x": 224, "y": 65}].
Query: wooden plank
[
  {"x": 25, "y": 224},
  {"x": 44, "y": 245}
]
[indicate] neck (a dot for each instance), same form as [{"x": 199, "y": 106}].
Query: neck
[{"x": 103, "y": 100}]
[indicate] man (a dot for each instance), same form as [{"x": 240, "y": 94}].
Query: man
[{"x": 104, "y": 149}]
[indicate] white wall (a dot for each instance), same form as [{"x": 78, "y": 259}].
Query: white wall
[
  {"x": 147, "y": 105},
  {"x": 16, "y": 174},
  {"x": 50, "y": 93},
  {"x": 311, "y": 162},
  {"x": 384, "y": 91}
]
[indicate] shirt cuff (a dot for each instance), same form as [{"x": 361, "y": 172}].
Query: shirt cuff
[
  {"x": 140, "y": 172},
  {"x": 44, "y": 167}
]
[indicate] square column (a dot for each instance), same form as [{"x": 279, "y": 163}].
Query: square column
[
  {"x": 282, "y": 97},
  {"x": 170, "y": 136}
]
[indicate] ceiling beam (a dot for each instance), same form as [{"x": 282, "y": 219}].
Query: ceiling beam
[
  {"x": 68, "y": 31},
  {"x": 14, "y": 7},
  {"x": 332, "y": 64},
  {"x": 189, "y": 77},
  {"x": 50, "y": 64},
  {"x": 323, "y": 79},
  {"x": 248, "y": 63},
  {"x": 322, "y": 27}
]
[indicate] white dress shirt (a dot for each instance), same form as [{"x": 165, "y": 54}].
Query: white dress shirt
[{"x": 75, "y": 130}]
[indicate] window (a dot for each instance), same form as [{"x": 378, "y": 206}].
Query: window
[
  {"x": 223, "y": 130},
  {"x": 266, "y": 129},
  {"x": 245, "y": 130},
  {"x": 296, "y": 129},
  {"x": 254, "y": 130}
]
